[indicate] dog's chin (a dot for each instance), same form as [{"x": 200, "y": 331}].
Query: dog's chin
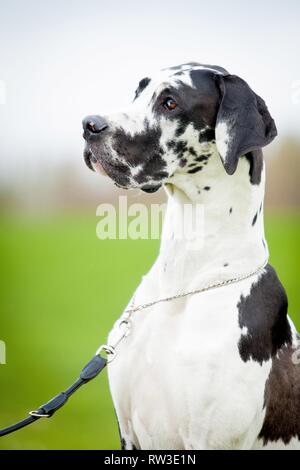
[{"x": 147, "y": 188}]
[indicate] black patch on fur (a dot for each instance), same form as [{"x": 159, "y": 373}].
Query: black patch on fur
[
  {"x": 225, "y": 265},
  {"x": 142, "y": 149},
  {"x": 255, "y": 159},
  {"x": 183, "y": 123},
  {"x": 207, "y": 135},
  {"x": 171, "y": 144},
  {"x": 137, "y": 148},
  {"x": 153, "y": 169},
  {"x": 282, "y": 399},
  {"x": 182, "y": 162},
  {"x": 202, "y": 158},
  {"x": 142, "y": 85},
  {"x": 254, "y": 220},
  {"x": 230, "y": 210},
  {"x": 207, "y": 188},
  {"x": 192, "y": 151},
  {"x": 264, "y": 313},
  {"x": 195, "y": 170},
  {"x": 180, "y": 147}
]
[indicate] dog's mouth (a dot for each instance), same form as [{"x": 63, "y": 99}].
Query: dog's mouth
[
  {"x": 92, "y": 163},
  {"x": 116, "y": 171}
]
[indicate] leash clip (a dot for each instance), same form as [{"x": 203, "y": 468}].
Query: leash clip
[
  {"x": 109, "y": 350},
  {"x": 125, "y": 327},
  {"x": 126, "y": 324}
]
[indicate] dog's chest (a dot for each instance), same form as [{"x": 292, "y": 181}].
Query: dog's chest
[{"x": 178, "y": 375}]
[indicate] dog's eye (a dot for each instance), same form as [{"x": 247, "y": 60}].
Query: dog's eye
[{"x": 169, "y": 104}]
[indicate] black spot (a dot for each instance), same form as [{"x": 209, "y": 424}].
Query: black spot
[
  {"x": 254, "y": 219},
  {"x": 202, "y": 158},
  {"x": 264, "y": 313},
  {"x": 230, "y": 210},
  {"x": 195, "y": 170},
  {"x": 192, "y": 165},
  {"x": 255, "y": 159},
  {"x": 207, "y": 188},
  {"x": 225, "y": 265},
  {"x": 142, "y": 85},
  {"x": 192, "y": 151},
  {"x": 180, "y": 147},
  {"x": 184, "y": 121},
  {"x": 260, "y": 207},
  {"x": 171, "y": 144},
  {"x": 182, "y": 162},
  {"x": 207, "y": 135}
]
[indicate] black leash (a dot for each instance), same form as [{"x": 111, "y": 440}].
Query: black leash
[{"x": 89, "y": 372}]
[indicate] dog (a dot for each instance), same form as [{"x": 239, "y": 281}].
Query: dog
[{"x": 216, "y": 369}]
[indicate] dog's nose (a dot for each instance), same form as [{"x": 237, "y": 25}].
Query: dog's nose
[{"x": 94, "y": 124}]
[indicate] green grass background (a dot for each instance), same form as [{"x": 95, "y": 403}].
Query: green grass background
[{"x": 61, "y": 290}]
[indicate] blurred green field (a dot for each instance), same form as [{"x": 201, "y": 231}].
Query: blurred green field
[{"x": 61, "y": 290}]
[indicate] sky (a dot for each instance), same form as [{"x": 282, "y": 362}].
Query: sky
[{"x": 61, "y": 60}]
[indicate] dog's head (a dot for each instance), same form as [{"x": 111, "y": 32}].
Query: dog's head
[{"x": 172, "y": 124}]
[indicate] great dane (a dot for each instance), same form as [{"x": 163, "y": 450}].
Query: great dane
[{"x": 216, "y": 369}]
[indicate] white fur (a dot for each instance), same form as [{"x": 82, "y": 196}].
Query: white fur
[{"x": 222, "y": 139}]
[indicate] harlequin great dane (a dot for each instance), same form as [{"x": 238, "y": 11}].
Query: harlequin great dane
[{"x": 217, "y": 369}]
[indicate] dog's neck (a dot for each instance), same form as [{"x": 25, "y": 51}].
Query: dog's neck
[{"x": 218, "y": 235}]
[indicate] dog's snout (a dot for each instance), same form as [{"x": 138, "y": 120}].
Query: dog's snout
[{"x": 94, "y": 124}]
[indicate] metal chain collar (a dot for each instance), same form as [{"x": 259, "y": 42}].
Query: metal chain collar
[{"x": 125, "y": 320}]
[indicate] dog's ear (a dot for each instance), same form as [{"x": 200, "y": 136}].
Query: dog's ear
[{"x": 243, "y": 121}]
